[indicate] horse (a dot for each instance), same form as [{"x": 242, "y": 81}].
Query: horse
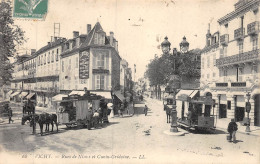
[
  {"x": 168, "y": 114},
  {"x": 47, "y": 119},
  {"x": 26, "y": 118}
]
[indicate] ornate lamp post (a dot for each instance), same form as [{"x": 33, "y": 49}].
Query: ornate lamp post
[
  {"x": 248, "y": 108},
  {"x": 173, "y": 85}
]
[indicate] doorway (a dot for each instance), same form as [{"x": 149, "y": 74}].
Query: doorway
[
  {"x": 257, "y": 111},
  {"x": 239, "y": 113},
  {"x": 222, "y": 111}
]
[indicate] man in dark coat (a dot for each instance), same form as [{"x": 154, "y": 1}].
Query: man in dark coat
[
  {"x": 232, "y": 128},
  {"x": 10, "y": 114}
]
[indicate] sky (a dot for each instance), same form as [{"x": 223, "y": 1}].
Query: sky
[{"x": 138, "y": 25}]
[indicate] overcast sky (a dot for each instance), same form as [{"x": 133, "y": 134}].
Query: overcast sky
[{"x": 135, "y": 23}]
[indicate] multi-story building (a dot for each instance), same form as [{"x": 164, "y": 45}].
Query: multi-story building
[
  {"x": 230, "y": 63},
  {"x": 125, "y": 77},
  {"x": 91, "y": 61},
  {"x": 48, "y": 71}
]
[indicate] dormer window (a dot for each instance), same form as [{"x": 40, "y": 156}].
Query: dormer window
[
  {"x": 99, "y": 38},
  {"x": 77, "y": 42},
  {"x": 70, "y": 45}
]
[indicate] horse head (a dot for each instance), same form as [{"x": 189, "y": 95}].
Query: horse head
[{"x": 26, "y": 118}]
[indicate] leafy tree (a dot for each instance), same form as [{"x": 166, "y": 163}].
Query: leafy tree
[{"x": 10, "y": 36}]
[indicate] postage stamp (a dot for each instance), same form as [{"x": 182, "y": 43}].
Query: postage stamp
[{"x": 30, "y": 9}]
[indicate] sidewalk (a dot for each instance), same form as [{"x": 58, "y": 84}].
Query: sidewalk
[{"x": 223, "y": 124}]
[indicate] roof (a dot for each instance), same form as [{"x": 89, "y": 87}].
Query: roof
[{"x": 89, "y": 41}]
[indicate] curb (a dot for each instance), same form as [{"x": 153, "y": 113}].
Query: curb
[{"x": 241, "y": 132}]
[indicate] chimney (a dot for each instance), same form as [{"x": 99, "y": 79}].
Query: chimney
[
  {"x": 174, "y": 51},
  {"x": 111, "y": 38},
  {"x": 33, "y": 51},
  {"x": 116, "y": 45},
  {"x": 49, "y": 43},
  {"x": 75, "y": 34},
  {"x": 88, "y": 28},
  {"x": 55, "y": 39}
]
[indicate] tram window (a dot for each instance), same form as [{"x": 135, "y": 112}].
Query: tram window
[
  {"x": 229, "y": 105},
  {"x": 207, "y": 110}
]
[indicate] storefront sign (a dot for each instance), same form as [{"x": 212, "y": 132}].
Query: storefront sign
[{"x": 84, "y": 65}]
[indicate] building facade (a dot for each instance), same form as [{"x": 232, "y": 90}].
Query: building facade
[
  {"x": 230, "y": 63},
  {"x": 91, "y": 61}
]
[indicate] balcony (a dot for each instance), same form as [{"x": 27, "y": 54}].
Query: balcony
[
  {"x": 239, "y": 33},
  {"x": 253, "y": 28},
  {"x": 224, "y": 39},
  {"x": 249, "y": 56},
  {"x": 221, "y": 84}
]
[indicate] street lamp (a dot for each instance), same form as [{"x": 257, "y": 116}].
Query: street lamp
[
  {"x": 248, "y": 108},
  {"x": 173, "y": 86}
]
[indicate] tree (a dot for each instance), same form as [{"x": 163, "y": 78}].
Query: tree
[{"x": 11, "y": 35}]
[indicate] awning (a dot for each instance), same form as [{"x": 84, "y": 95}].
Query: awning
[
  {"x": 193, "y": 94},
  {"x": 119, "y": 96},
  {"x": 106, "y": 95},
  {"x": 81, "y": 93},
  {"x": 9, "y": 93},
  {"x": 14, "y": 94},
  {"x": 59, "y": 97},
  {"x": 183, "y": 94},
  {"x": 23, "y": 94},
  {"x": 30, "y": 95}
]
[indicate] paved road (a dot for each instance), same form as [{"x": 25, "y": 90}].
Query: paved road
[{"x": 126, "y": 140}]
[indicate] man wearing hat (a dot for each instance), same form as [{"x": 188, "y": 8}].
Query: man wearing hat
[{"x": 232, "y": 128}]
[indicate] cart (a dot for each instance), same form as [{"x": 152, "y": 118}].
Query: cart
[{"x": 76, "y": 110}]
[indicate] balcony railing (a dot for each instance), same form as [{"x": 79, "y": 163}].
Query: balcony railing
[
  {"x": 239, "y": 58},
  {"x": 239, "y": 33},
  {"x": 221, "y": 84},
  {"x": 253, "y": 28},
  {"x": 238, "y": 84},
  {"x": 224, "y": 39}
]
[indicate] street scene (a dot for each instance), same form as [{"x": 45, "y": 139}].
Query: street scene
[{"x": 182, "y": 87}]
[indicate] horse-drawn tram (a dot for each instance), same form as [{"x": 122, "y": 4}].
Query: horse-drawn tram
[
  {"x": 199, "y": 115},
  {"x": 77, "y": 110}
]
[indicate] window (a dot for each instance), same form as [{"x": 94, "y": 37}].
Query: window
[
  {"x": 101, "y": 60},
  {"x": 241, "y": 46},
  {"x": 208, "y": 76},
  {"x": 49, "y": 57},
  {"x": 52, "y": 56},
  {"x": 42, "y": 61},
  {"x": 57, "y": 55},
  {"x": 100, "y": 81},
  {"x": 77, "y": 62},
  {"x": 208, "y": 61},
  {"x": 44, "y": 58},
  {"x": 255, "y": 43},
  {"x": 225, "y": 75},
  {"x": 240, "y": 72},
  {"x": 99, "y": 38}
]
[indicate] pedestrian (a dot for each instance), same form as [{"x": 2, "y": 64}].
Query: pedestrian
[
  {"x": 96, "y": 117},
  {"x": 120, "y": 111},
  {"x": 10, "y": 114},
  {"x": 145, "y": 110},
  {"x": 232, "y": 128}
]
